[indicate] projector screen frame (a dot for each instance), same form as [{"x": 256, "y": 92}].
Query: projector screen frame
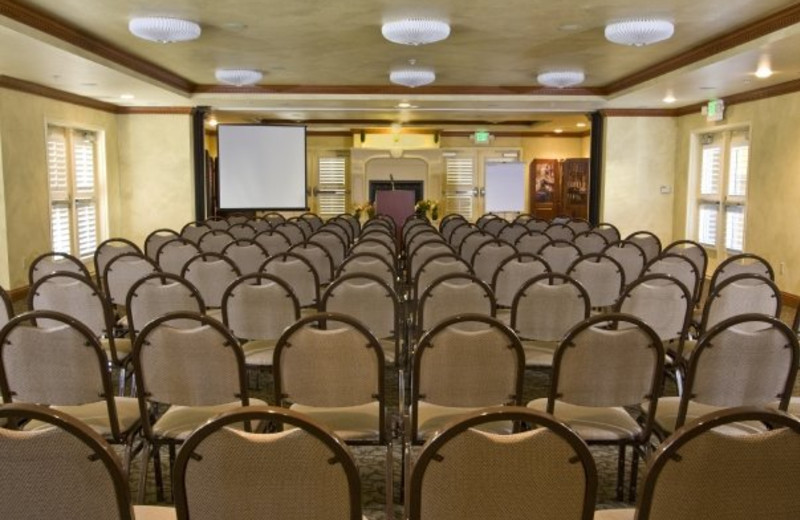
[{"x": 218, "y": 169}]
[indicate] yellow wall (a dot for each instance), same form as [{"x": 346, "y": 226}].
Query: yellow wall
[
  {"x": 639, "y": 159},
  {"x": 23, "y": 121},
  {"x": 773, "y": 199},
  {"x": 156, "y": 173}
]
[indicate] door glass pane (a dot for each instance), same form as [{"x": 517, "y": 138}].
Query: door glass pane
[
  {"x": 734, "y": 228},
  {"x": 459, "y": 181},
  {"x": 707, "y": 225},
  {"x": 710, "y": 170},
  {"x": 60, "y": 228},
  {"x": 737, "y": 179}
]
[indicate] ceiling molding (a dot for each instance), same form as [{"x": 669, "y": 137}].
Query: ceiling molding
[
  {"x": 393, "y": 120},
  {"x": 734, "y": 38},
  {"x": 570, "y": 135},
  {"x": 155, "y": 110},
  {"x": 639, "y": 112},
  {"x": 36, "y": 89},
  {"x": 453, "y": 90},
  {"x": 73, "y": 35}
]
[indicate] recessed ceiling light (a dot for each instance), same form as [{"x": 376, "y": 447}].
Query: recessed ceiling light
[
  {"x": 581, "y": 125},
  {"x": 569, "y": 27},
  {"x": 213, "y": 122},
  {"x": 404, "y": 104},
  {"x": 764, "y": 69},
  {"x": 164, "y": 30},
  {"x": 127, "y": 96},
  {"x": 669, "y": 98},
  {"x": 639, "y": 31},
  {"x": 558, "y": 130},
  {"x": 415, "y": 31}
]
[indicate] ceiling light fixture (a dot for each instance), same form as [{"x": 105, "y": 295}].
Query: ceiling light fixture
[
  {"x": 127, "y": 97},
  {"x": 669, "y": 98},
  {"x": 764, "y": 69},
  {"x": 412, "y": 76},
  {"x": 238, "y": 77},
  {"x": 164, "y": 30},
  {"x": 404, "y": 104},
  {"x": 581, "y": 125},
  {"x": 639, "y": 31},
  {"x": 558, "y": 131},
  {"x": 561, "y": 78},
  {"x": 415, "y": 31}
]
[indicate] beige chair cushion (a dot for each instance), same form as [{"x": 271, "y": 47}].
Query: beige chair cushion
[
  {"x": 154, "y": 513},
  {"x": 432, "y": 418},
  {"x": 95, "y": 415},
  {"x": 215, "y": 313},
  {"x": 351, "y": 423},
  {"x": 259, "y": 352},
  {"x": 593, "y": 423},
  {"x": 123, "y": 346},
  {"x": 615, "y": 514},
  {"x": 504, "y": 315},
  {"x": 539, "y": 353},
  {"x": 667, "y": 414},
  {"x": 388, "y": 350},
  {"x": 179, "y": 421}
]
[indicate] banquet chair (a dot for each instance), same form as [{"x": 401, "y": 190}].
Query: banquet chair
[
  {"x": 601, "y": 276},
  {"x": 158, "y": 294},
  {"x": 211, "y": 274},
  {"x": 173, "y": 254},
  {"x": 452, "y": 294},
  {"x": 247, "y": 254},
  {"x": 107, "y": 250},
  {"x": 273, "y": 241},
  {"x": 156, "y": 239},
  {"x": 55, "y": 262},
  {"x": 298, "y": 272}
]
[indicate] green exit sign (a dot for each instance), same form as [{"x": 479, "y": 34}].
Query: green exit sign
[{"x": 482, "y": 136}]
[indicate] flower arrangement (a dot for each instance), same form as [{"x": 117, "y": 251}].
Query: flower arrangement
[
  {"x": 367, "y": 208},
  {"x": 423, "y": 207}
]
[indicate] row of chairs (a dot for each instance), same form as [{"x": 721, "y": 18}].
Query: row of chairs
[{"x": 543, "y": 471}]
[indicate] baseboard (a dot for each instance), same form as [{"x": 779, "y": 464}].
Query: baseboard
[
  {"x": 18, "y": 294},
  {"x": 790, "y": 300}
]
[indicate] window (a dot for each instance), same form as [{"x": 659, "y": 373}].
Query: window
[
  {"x": 722, "y": 191},
  {"x": 331, "y": 188},
  {"x": 72, "y": 172},
  {"x": 459, "y": 185}
]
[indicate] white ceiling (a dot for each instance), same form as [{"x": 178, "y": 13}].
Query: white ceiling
[{"x": 335, "y": 50}]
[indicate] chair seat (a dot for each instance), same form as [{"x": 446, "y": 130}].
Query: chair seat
[
  {"x": 351, "y": 423},
  {"x": 667, "y": 414},
  {"x": 593, "y": 423},
  {"x": 215, "y": 313},
  {"x": 794, "y": 406},
  {"x": 387, "y": 345},
  {"x": 123, "y": 346},
  {"x": 615, "y": 514},
  {"x": 259, "y": 352},
  {"x": 308, "y": 311},
  {"x": 154, "y": 513},
  {"x": 179, "y": 421},
  {"x": 432, "y": 418},
  {"x": 539, "y": 353},
  {"x": 95, "y": 415},
  {"x": 504, "y": 315}
]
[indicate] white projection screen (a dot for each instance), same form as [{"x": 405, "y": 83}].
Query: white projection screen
[
  {"x": 261, "y": 167},
  {"x": 505, "y": 187}
]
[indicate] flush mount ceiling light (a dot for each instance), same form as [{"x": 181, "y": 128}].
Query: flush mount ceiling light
[
  {"x": 412, "y": 76},
  {"x": 561, "y": 78},
  {"x": 238, "y": 77},
  {"x": 164, "y": 30},
  {"x": 639, "y": 31},
  {"x": 415, "y": 31}
]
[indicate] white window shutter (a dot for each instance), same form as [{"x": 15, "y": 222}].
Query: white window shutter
[
  {"x": 459, "y": 183},
  {"x": 332, "y": 194}
]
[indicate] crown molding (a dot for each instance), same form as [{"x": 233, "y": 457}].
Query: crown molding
[
  {"x": 639, "y": 112},
  {"x": 64, "y": 31},
  {"x": 452, "y": 90},
  {"x": 155, "y": 110},
  {"x": 769, "y": 24},
  {"x": 36, "y": 89}
]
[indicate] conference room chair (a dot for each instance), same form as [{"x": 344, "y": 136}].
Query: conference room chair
[
  {"x": 158, "y": 294},
  {"x": 120, "y": 274},
  {"x": 341, "y": 228},
  {"x": 471, "y": 243},
  {"x": 485, "y": 219},
  {"x": 63, "y": 470},
  {"x": 544, "y": 309},
  {"x": 273, "y": 241},
  {"x": 449, "y": 223},
  {"x": 559, "y": 232},
  {"x": 531, "y": 242},
  {"x": 257, "y": 308},
  {"x": 744, "y": 263},
  {"x": 680, "y": 267},
  {"x": 747, "y": 360},
  {"x": 312, "y": 219},
  {"x": 107, "y": 250},
  {"x": 452, "y": 294},
  {"x": 608, "y": 230},
  {"x": 579, "y": 225},
  {"x": 6, "y": 307},
  {"x": 173, "y": 254},
  {"x": 559, "y": 255},
  {"x": 495, "y": 226},
  {"x": 512, "y": 232},
  {"x": 590, "y": 242},
  {"x": 460, "y": 233},
  {"x": 293, "y": 231},
  {"x": 648, "y": 241},
  {"x": 214, "y": 241},
  {"x": 379, "y": 222},
  {"x": 367, "y": 242},
  {"x": 353, "y": 222},
  {"x": 630, "y": 256},
  {"x": 49, "y": 358},
  {"x": 430, "y": 235},
  {"x": 330, "y": 367},
  {"x": 236, "y": 218},
  {"x": 156, "y": 239},
  {"x": 369, "y": 263},
  {"x": 422, "y": 252},
  {"x": 273, "y": 218},
  {"x": 373, "y": 302},
  {"x": 216, "y": 223},
  {"x": 188, "y": 369},
  {"x": 488, "y": 257},
  {"x": 433, "y": 268},
  {"x": 522, "y": 218},
  {"x": 336, "y": 246},
  {"x": 509, "y": 276},
  {"x": 694, "y": 252},
  {"x": 319, "y": 257},
  {"x": 192, "y": 231},
  {"x": 211, "y": 274},
  {"x": 318, "y": 477},
  {"x": 53, "y": 262},
  {"x": 260, "y": 224},
  {"x": 300, "y": 274},
  {"x": 537, "y": 224},
  {"x": 79, "y": 298},
  {"x": 544, "y": 473},
  {"x": 247, "y": 254},
  {"x": 603, "y": 365},
  {"x": 601, "y": 276},
  {"x": 242, "y": 230},
  {"x": 701, "y": 472}
]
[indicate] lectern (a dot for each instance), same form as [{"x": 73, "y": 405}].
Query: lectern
[{"x": 397, "y": 204}]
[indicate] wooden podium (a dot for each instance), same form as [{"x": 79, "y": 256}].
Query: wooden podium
[{"x": 397, "y": 204}]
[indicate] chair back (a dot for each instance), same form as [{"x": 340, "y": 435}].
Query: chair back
[
  {"x": 471, "y": 243},
  {"x": 744, "y": 263},
  {"x": 367, "y": 298},
  {"x": 63, "y": 471},
  {"x": 590, "y": 242},
  {"x": 194, "y": 230},
  {"x": 512, "y": 232},
  {"x": 679, "y": 267},
  {"x": 318, "y": 257},
  {"x": 156, "y": 239},
  {"x": 608, "y": 230},
  {"x": 333, "y": 243},
  {"x": 547, "y": 306},
  {"x": 537, "y": 224},
  {"x": 215, "y": 241},
  {"x": 247, "y": 254},
  {"x": 211, "y": 273},
  {"x": 559, "y": 232},
  {"x": 158, "y": 294},
  {"x": 107, "y": 250},
  {"x": 436, "y": 267},
  {"x": 512, "y": 272},
  {"x": 460, "y": 233},
  {"x": 741, "y": 294},
  {"x": 173, "y": 254},
  {"x": 649, "y": 242},
  {"x": 662, "y": 302},
  {"x": 548, "y": 470},
  {"x": 495, "y": 226},
  {"x": 73, "y": 295},
  {"x": 121, "y": 273},
  {"x": 579, "y": 225},
  {"x": 693, "y": 251},
  {"x": 259, "y": 306},
  {"x": 453, "y": 294},
  {"x": 601, "y": 276},
  {"x": 242, "y": 230},
  {"x": 216, "y": 223},
  {"x": 489, "y": 256},
  {"x": 55, "y": 262},
  {"x": 298, "y": 272},
  {"x": 700, "y": 472},
  {"x": 368, "y": 263},
  {"x": 273, "y": 241},
  {"x": 559, "y": 255},
  {"x": 630, "y": 256},
  {"x": 424, "y": 251}
]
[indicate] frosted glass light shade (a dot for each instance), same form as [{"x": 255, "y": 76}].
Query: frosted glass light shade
[
  {"x": 412, "y": 77},
  {"x": 164, "y": 30},
  {"x": 561, "y": 78},
  {"x": 415, "y": 31},
  {"x": 639, "y": 32},
  {"x": 238, "y": 77}
]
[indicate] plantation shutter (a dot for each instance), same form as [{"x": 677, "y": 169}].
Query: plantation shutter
[
  {"x": 459, "y": 183},
  {"x": 331, "y": 189}
]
